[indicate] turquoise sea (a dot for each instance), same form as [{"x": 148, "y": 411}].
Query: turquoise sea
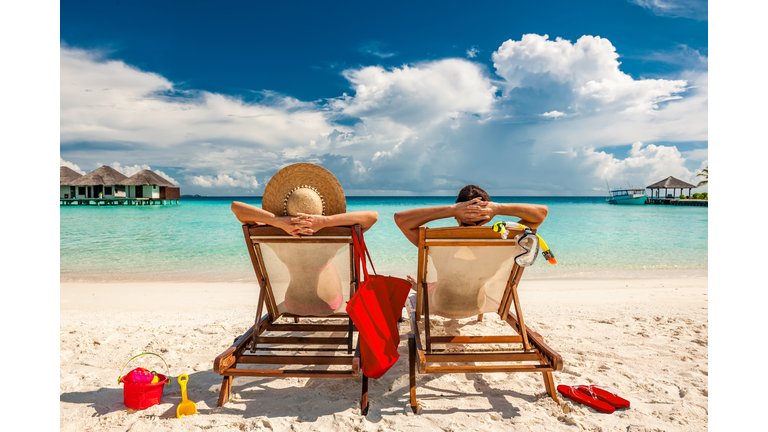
[{"x": 200, "y": 239}]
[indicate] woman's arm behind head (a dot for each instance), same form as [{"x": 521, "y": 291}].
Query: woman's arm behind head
[{"x": 313, "y": 223}]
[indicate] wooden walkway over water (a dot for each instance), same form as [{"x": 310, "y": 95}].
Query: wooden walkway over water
[
  {"x": 116, "y": 201},
  {"x": 677, "y": 202}
]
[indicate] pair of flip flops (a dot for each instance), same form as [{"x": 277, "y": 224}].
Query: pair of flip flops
[{"x": 600, "y": 398}]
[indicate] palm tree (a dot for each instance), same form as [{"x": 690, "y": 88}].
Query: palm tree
[{"x": 704, "y": 173}]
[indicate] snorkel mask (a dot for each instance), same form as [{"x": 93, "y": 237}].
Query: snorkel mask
[{"x": 528, "y": 241}]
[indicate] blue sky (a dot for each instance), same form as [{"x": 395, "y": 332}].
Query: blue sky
[{"x": 418, "y": 98}]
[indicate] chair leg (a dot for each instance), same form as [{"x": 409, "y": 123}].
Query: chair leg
[
  {"x": 549, "y": 384},
  {"x": 226, "y": 388},
  {"x": 364, "y": 398},
  {"x": 480, "y": 317},
  {"x": 412, "y": 372}
]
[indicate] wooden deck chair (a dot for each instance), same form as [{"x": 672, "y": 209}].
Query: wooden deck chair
[
  {"x": 463, "y": 272},
  {"x": 300, "y": 280}
]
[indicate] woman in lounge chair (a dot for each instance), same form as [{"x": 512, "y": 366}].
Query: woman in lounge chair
[{"x": 302, "y": 199}]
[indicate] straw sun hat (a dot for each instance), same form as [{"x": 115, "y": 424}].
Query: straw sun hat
[{"x": 304, "y": 188}]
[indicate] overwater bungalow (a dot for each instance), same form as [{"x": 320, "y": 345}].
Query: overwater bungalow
[
  {"x": 147, "y": 186},
  {"x": 99, "y": 184},
  {"x": 67, "y": 175},
  {"x": 107, "y": 186}
]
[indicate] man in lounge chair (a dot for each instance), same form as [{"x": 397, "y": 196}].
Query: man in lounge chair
[
  {"x": 473, "y": 208},
  {"x": 465, "y": 272}
]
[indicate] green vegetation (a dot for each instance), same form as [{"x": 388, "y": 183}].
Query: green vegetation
[
  {"x": 682, "y": 196},
  {"x": 704, "y": 173},
  {"x": 701, "y": 196}
]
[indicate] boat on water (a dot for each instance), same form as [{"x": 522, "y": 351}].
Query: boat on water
[{"x": 627, "y": 196}]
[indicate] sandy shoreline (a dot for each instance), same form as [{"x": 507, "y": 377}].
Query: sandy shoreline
[
  {"x": 646, "y": 338},
  {"x": 248, "y": 276}
]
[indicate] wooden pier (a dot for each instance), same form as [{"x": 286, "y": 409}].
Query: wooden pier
[
  {"x": 116, "y": 201},
  {"x": 677, "y": 202}
]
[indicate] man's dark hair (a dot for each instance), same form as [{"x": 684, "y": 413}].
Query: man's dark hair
[{"x": 469, "y": 192}]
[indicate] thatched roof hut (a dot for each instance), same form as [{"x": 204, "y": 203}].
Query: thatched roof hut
[
  {"x": 104, "y": 176},
  {"x": 670, "y": 183},
  {"x": 146, "y": 178},
  {"x": 66, "y": 175}
]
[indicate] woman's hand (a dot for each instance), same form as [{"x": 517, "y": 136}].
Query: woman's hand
[
  {"x": 306, "y": 224},
  {"x": 286, "y": 224}
]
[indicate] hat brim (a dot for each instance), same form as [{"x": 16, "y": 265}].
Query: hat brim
[{"x": 303, "y": 174}]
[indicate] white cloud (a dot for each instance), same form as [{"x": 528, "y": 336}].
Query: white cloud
[
  {"x": 128, "y": 170},
  {"x": 472, "y": 52},
  {"x": 427, "y": 93},
  {"x": 588, "y": 68},
  {"x": 680, "y": 55},
  {"x": 165, "y": 176},
  {"x": 697, "y": 154},
  {"x": 429, "y": 127},
  {"x": 680, "y": 120},
  {"x": 553, "y": 114},
  {"x": 384, "y": 154},
  {"x": 694, "y": 9},
  {"x": 236, "y": 180},
  {"x": 110, "y": 101},
  {"x": 644, "y": 161},
  {"x": 70, "y": 165},
  {"x": 131, "y": 170},
  {"x": 375, "y": 48}
]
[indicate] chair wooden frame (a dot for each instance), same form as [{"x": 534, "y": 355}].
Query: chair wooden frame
[
  {"x": 525, "y": 346},
  {"x": 245, "y": 347}
]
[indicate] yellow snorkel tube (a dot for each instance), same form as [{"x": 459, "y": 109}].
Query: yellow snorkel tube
[
  {"x": 501, "y": 227},
  {"x": 546, "y": 252}
]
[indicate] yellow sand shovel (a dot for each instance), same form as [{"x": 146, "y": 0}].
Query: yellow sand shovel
[{"x": 186, "y": 407}]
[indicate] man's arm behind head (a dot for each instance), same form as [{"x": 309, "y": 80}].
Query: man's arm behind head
[
  {"x": 531, "y": 215},
  {"x": 409, "y": 221}
]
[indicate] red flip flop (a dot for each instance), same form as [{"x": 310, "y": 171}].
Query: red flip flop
[
  {"x": 585, "y": 398},
  {"x": 605, "y": 394}
]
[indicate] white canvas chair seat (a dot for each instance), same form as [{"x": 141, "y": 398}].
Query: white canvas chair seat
[
  {"x": 307, "y": 279},
  {"x": 465, "y": 281},
  {"x": 463, "y": 272}
]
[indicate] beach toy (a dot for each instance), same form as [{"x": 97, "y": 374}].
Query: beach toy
[
  {"x": 587, "y": 399},
  {"x": 186, "y": 407},
  {"x": 142, "y": 388},
  {"x": 501, "y": 227},
  {"x": 605, "y": 394},
  {"x": 141, "y": 376}
]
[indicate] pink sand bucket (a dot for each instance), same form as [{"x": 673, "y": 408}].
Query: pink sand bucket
[{"x": 142, "y": 388}]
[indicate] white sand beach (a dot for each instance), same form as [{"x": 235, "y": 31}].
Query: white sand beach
[{"x": 645, "y": 338}]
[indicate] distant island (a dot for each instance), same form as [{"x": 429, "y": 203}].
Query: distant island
[{"x": 194, "y": 196}]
